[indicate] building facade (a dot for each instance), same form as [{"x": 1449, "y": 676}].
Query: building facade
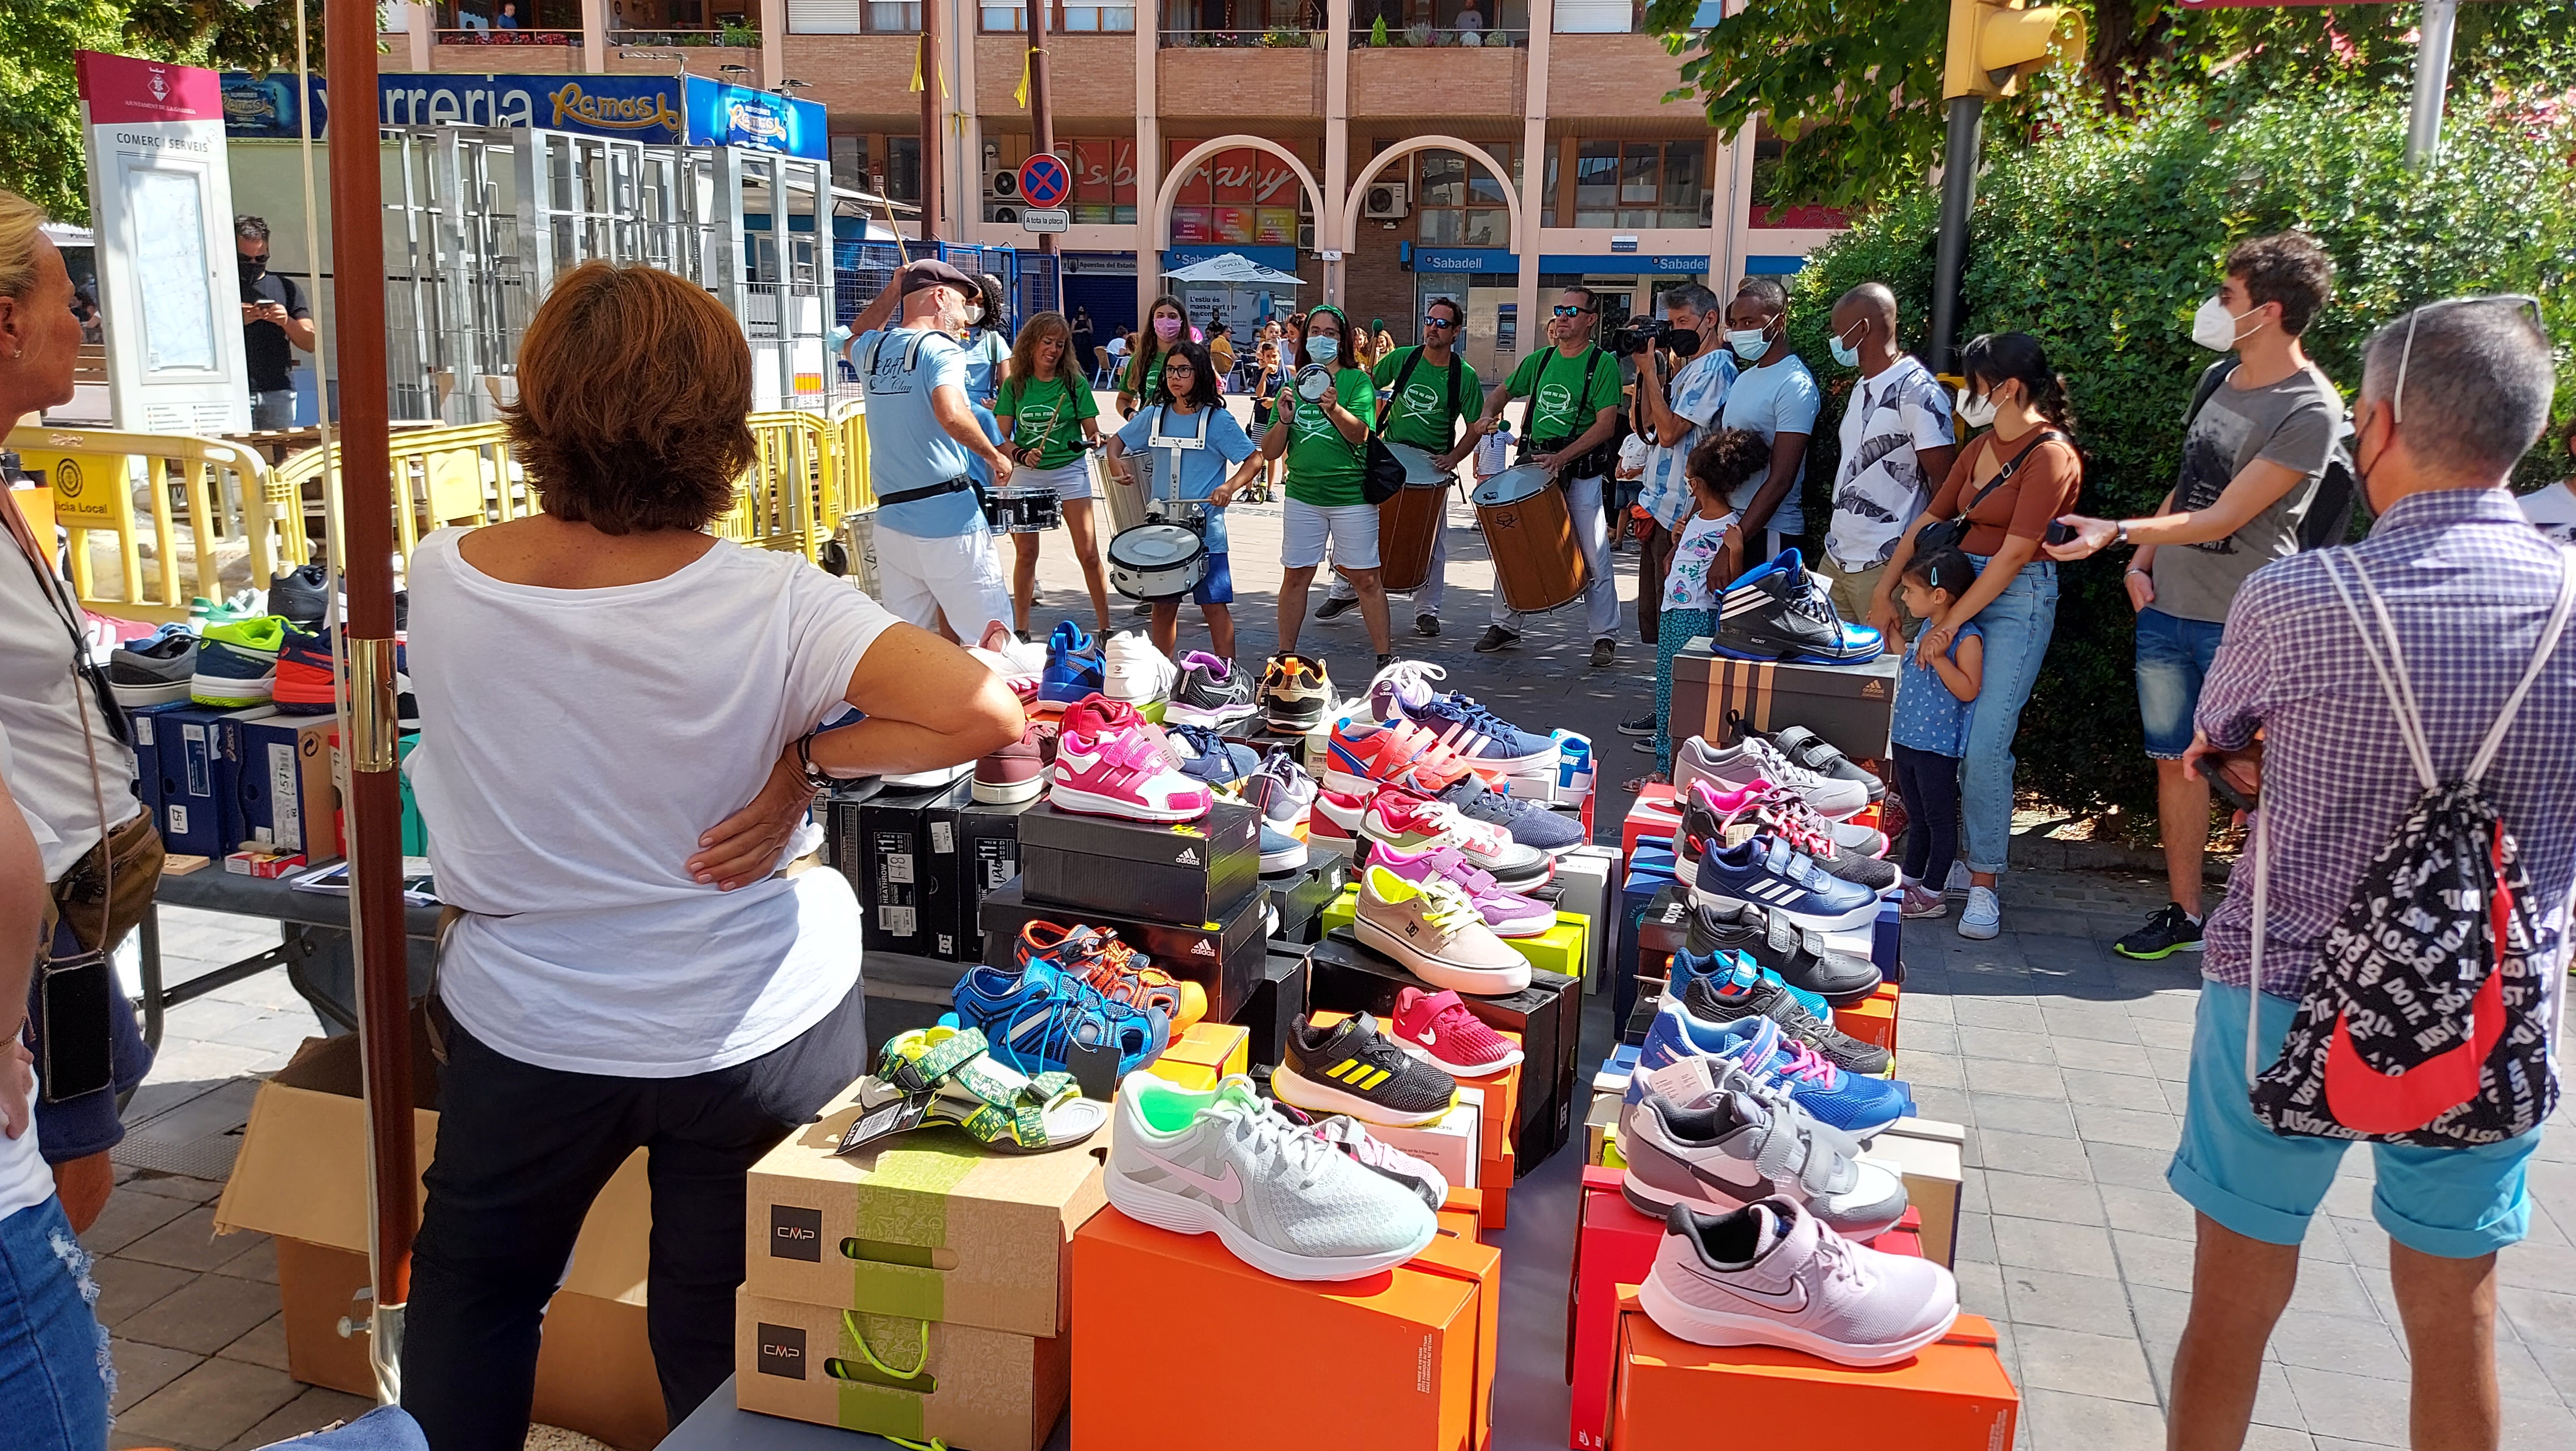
[{"x": 1383, "y": 150}]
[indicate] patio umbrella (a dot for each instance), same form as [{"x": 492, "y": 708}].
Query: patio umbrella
[{"x": 1233, "y": 269}]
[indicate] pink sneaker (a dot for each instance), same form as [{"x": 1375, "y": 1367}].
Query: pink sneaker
[
  {"x": 1123, "y": 773},
  {"x": 1507, "y": 913},
  {"x": 1409, "y": 824},
  {"x": 1777, "y": 804},
  {"x": 1437, "y": 1028}
]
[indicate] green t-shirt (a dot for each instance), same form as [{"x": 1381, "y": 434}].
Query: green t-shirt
[
  {"x": 1324, "y": 468},
  {"x": 1041, "y": 406},
  {"x": 1153, "y": 378},
  {"x": 1565, "y": 394},
  {"x": 1421, "y": 415}
]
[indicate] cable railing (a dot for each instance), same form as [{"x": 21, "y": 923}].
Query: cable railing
[{"x": 485, "y": 35}]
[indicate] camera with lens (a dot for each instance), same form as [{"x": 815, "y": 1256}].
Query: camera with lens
[{"x": 1637, "y": 335}]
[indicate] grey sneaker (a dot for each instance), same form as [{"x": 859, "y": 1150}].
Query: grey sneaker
[
  {"x": 1603, "y": 652},
  {"x": 1732, "y": 768},
  {"x": 1983, "y": 917},
  {"x": 1706, "y": 1134},
  {"x": 1771, "y": 1273}
]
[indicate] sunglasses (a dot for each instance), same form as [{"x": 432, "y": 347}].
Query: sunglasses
[
  {"x": 1563, "y": 311},
  {"x": 2397, "y": 399},
  {"x": 1440, "y": 322}
]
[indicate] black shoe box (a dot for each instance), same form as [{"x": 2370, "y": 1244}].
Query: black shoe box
[
  {"x": 1226, "y": 957},
  {"x": 904, "y": 880},
  {"x": 1275, "y": 1003},
  {"x": 1302, "y": 894},
  {"x": 1345, "y": 977},
  {"x": 845, "y": 796},
  {"x": 979, "y": 844},
  {"x": 1662, "y": 930},
  {"x": 1641, "y": 1017},
  {"x": 1192, "y": 871}
]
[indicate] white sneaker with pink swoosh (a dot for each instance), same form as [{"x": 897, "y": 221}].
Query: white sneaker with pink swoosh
[{"x": 1280, "y": 1198}]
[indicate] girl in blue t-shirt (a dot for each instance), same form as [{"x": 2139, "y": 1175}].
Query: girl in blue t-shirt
[
  {"x": 1186, "y": 419},
  {"x": 1933, "y": 700}
]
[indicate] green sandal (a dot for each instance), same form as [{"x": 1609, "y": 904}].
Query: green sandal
[{"x": 1002, "y": 1107}]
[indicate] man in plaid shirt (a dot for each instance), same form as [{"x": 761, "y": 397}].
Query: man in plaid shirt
[{"x": 2452, "y": 396}]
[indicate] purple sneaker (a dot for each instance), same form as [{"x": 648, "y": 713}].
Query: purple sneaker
[{"x": 1506, "y": 914}]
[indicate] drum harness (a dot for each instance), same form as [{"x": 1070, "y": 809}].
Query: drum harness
[
  {"x": 1178, "y": 443},
  {"x": 911, "y": 361},
  {"x": 1530, "y": 443},
  {"x": 1395, "y": 391}
]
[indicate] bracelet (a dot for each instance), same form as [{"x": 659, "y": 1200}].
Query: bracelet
[
  {"x": 815, "y": 780},
  {"x": 2140, "y": 573}
]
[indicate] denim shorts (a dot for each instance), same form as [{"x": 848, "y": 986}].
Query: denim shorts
[
  {"x": 2173, "y": 659},
  {"x": 2449, "y": 1203}
]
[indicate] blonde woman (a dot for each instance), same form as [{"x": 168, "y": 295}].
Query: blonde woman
[{"x": 1050, "y": 423}]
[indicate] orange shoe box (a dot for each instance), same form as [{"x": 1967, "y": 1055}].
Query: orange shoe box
[
  {"x": 1204, "y": 1053},
  {"x": 1952, "y": 1396},
  {"x": 1409, "y": 1352},
  {"x": 1872, "y": 1019},
  {"x": 1463, "y": 1213}
]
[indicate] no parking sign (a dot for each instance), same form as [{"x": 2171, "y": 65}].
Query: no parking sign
[{"x": 1045, "y": 181}]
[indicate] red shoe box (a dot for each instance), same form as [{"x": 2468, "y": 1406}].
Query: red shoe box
[
  {"x": 1872, "y": 1019},
  {"x": 1654, "y": 817}
]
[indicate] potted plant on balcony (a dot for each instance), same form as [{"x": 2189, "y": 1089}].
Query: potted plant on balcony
[
  {"x": 1377, "y": 33},
  {"x": 1418, "y": 35},
  {"x": 1284, "y": 37}
]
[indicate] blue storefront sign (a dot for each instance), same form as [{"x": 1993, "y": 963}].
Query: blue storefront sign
[
  {"x": 664, "y": 109},
  {"x": 1504, "y": 260},
  {"x": 723, "y": 115},
  {"x": 271, "y": 106}
]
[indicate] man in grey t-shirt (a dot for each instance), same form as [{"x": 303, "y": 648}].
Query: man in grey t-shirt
[{"x": 2252, "y": 454}]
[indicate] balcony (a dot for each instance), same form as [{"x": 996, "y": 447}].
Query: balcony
[
  {"x": 1488, "y": 79},
  {"x": 1235, "y": 82},
  {"x": 1088, "y": 76},
  {"x": 1614, "y": 75},
  {"x": 506, "y": 52},
  {"x": 864, "y": 77}
]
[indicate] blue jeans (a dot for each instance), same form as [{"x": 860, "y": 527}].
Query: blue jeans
[
  {"x": 2017, "y": 626},
  {"x": 2173, "y": 659},
  {"x": 55, "y": 1376}
]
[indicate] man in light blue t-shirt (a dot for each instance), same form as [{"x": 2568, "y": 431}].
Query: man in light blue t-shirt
[
  {"x": 1775, "y": 396},
  {"x": 934, "y": 554}
]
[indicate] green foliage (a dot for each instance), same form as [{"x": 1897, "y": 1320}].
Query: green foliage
[
  {"x": 2103, "y": 237},
  {"x": 1377, "y": 32}
]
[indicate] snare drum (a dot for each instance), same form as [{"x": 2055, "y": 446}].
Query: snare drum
[
  {"x": 1538, "y": 563},
  {"x": 1157, "y": 561},
  {"x": 1022, "y": 508},
  {"x": 1408, "y": 525}
]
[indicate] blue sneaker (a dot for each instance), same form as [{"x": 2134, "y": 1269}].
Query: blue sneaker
[
  {"x": 1778, "y": 878},
  {"x": 1209, "y": 757},
  {"x": 1074, "y": 666},
  {"x": 1402, "y": 691},
  {"x": 1736, "y": 971},
  {"x": 1531, "y": 824},
  {"x": 1778, "y": 611},
  {"x": 1034, "y": 1016},
  {"x": 237, "y": 662},
  {"x": 1856, "y": 1105},
  {"x": 1281, "y": 852}
]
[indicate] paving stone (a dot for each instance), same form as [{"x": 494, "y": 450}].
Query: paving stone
[
  {"x": 183, "y": 1187},
  {"x": 262, "y": 1344},
  {"x": 203, "y": 1316},
  {"x": 2027, "y": 1080},
  {"x": 2104, "y": 1124},
  {"x": 1935, "y": 1039},
  {"x": 2115, "y": 1090},
  {"x": 2533, "y": 1426},
  {"x": 143, "y": 1369},
  {"x": 2348, "y": 1344},
  {"x": 273, "y": 1032},
  {"x": 211, "y": 1404},
  {"x": 188, "y": 1242},
  {"x": 1945, "y": 1105},
  {"x": 2095, "y": 1025},
  {"x": 2276, "y": 1402},
  {"x": 2019, "y": 1014},
  {"x": 2146, "y": 1259},
  {"x": 2099, "y": 1057},
  {"x": 1931, "y": 1070},
  {"x": 2020, "y": 1115},
  {"x": 2520, "y": 1375},
  {"x": 257, "y": 1260},
  {"x": 1924, "y": 1008},
  {"x": 2064, "y": 1301},
  {"x": 1974, "y": 1236},
  {"x": 2112, "y": 1366},
  {"x": 2355, "y": 1407},
  {"x": 318, "y": 1407},
  {"x": 2005, "y": 1045},
  {"x": 1981, "y": 1290},
  {"x": 2058, "y": 1419},
  {"x": 2128, "y": 1165},
  {"x": 2333, "y": 1289},
  {"x": 2277, "y": 1438},
  {"x": 2083, "y": 1249},
  {"x": 2159, "y": 1212},
  {"x": 2033, "y": 1196},
  {"x": 2053, "y": 1156},
  {"x": 2540, "y": 1317},
  {"x": 127, "y": 1218},
  {"x": 126, "y": 1286}
]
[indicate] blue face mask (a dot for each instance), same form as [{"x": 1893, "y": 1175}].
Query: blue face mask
[
  {"x": 1323, "y": 349},
  {"x": 1845, "y": 354},
  {"x": 1749, "y": 343}
]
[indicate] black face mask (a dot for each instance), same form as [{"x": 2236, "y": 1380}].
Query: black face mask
[
  {"x": 253, "y": 269},
  {"x": 1683, "y": 344}
]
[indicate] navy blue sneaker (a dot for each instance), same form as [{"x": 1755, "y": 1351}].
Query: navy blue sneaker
[
  {"x": 1033, "y": 1017},
  {"x": 1856, "y": 1105},
  {"x": 1531, "y": 824},
  {"x": 1209, "y": 757},
  {"x": 1074, "y": 666},
  {"x": 1402, "y": 691},
  {"x": 1783, "y": 881}
]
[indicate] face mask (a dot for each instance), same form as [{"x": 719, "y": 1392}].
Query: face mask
[
  {"x": 2214, "y": 327},
  {"x": 1976, "y": 412},
  {"x": 1749, "y": 343},
  {"x": 1323, "y": 350},
  {"x": 253, "y": 269},
  {"x": 1167, "y": 328},
  {"x": 1845, "y": 354},
  {"x": 1682, "y": 344}
]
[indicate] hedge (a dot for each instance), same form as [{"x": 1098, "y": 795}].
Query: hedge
[{"x": 2103, "y": 237}]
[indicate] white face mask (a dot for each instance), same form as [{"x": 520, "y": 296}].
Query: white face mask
[
  {"x": 1749, "y": 343},
  {"x": 1976, "y": 412},
  {"x": 2214, "y": 327}
]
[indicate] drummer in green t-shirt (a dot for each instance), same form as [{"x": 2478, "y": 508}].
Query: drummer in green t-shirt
[
  {"x": 1051, "y": 422},
  {"x": 1322, "y": 425},
  {"x": 1573, "y": 393},
  {"x": 1430, "y": 391}
]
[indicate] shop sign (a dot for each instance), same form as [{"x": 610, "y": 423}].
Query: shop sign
[
  {"x": 727, "y": 115},
  {"x": 664, "y": 109}
]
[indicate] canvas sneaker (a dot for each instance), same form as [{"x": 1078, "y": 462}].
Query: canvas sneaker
[
  {"x": 1354, "y": 1069},
  {"x": 1119, "y": 972},
  {"x": 1281, "y": 851},
  {"x": 1703, "y": 822},
  {"x": 1276, "y": 1194},
  {"x": 1723, "y": 997},
  {"x": 1785, "y": 882},
  {"x": 1035, "y": 1018},
  {"x": 1433, "y": 931},
  {"x": 1983, "y": 917},
  {"x": 1508, "y": 913},
  {"x": 1126, "y": 774},
  {"x": 1771, "y": 1273},
  {"x": 1530, "y": 823},
  {"x": 1073, "y": 668},
  {"x": 1706, "y": 1135},
  {"x": 155, "y": 670},
  {"x": 1018, "y": 771},
  {"x": 1487, "y": 742},
  {"x": 1133, "y": 670},
  {"x": 1361, "y": 756},
  {"x": 1732, "y": 768},
  {"x": 1438, "y": 1029},
  {"x": 1296, "y": 693},
  {"x": 236, "y": 662},
  {"x": 1820, "y": 976},
  {"x": 1211, "y": 693},
  {"x": 1859, "y": 1106},
  {"x": 1409, "y": 823}
]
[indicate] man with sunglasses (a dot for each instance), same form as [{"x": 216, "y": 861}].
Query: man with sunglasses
[
  {"x": 1429, "y": 390},
  {"x": 1574, "y": 400}
]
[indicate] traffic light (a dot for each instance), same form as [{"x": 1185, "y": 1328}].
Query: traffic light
[{"x": 1994, "y": 43}]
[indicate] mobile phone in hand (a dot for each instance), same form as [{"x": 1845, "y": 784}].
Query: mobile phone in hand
[
  {"x": 2060, "y": 532},
  {"x": 2227, "y": 792}
]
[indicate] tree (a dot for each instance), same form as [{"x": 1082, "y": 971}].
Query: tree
[{"x": 1855, "y": 85}]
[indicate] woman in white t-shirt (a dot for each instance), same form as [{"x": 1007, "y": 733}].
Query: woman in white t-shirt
[{"x": 602, "y": 687}]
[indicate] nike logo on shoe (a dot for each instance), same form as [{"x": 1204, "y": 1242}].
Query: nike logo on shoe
[
  {"x": 1225, "y": 1189},
  {"x": 1788, "y": 1302}
]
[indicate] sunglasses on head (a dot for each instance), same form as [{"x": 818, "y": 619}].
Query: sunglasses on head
[{"x": 2520, "y": 300}]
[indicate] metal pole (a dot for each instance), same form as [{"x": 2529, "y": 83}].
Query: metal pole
[
  {"x": 374, "y": 797},
  {"x": 1041, "y": 103},
  {"x": 2432, "y": 78},
  {"x": 1958, "y": 195},
  {"x": 931, "y": 177}
]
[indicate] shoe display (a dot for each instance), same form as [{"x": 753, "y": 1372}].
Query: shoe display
[
  {"x": 1352, "y": 1139},
  {"x": 1762, "y": 1048},
  {"x": 2167, "y": 932},
  {"x": 1733, "y": 768},
  {"x": 1507, "y": 913},
  {"x": 1717, "y": 1141},
  {"x": 1800, "y": 959},
  {"x": 1771, "y": 1273},
  {"x": 301, "y": 596},
  {"x": 1073, "y": 666},
  {"x": 1278, "y": 1195},
  {"x": 1117, "y": 971},
  {"x": 1133, "y": 670},
  {"x": 1280, "y": 851},
  {"x": 1360, "y": 756},
  {"x": 1209, "y": 757},
  {"x": 1122, "y": 773},
  {"x": 1282, "y": 789},
  {"x": 1782, "y": 880},
  {"x": 1495, "y": 638},
  {"x": 1334, "y": 823},
  {"x": 1211, "y": 693},
  {"x": 1849, "y": 836},
  {"x": 1983, "y": 917},
  {"x": 1438, "y": 1029},
  {"x": 1778, "y": 611},
  {"x": 1722, "y": 997},
  {"x": 1016, "y": 772},
  {"x": 1485, "y": 741},
  {"x": 1529, "y": 822},
  {"x": 1689, "y": 966},
  {"x": 1805, "y": 748},
  {"x": 1410, "y": 823},
  {"x": 1020, "y": 664},
  {"x": 155, "y": 670},
  {"x": 1035, "y": 1016},
  {"x": 236, "y": 662},
  {"x": 1703, "y": 823},
  {"x": 1334, "y": 607},
  {"x": 305, "y": 673},
  {"x": 1295, "y": 694},
  {"x": 1000, "y": 1106},
  {"x": 1354, "y": 1069},
  {"x": 1436, "y": 933}
]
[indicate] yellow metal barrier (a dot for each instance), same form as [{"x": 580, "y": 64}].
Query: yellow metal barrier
[
  {"x": 850, "y": 426},
  {"x": 784, "y": 499},
  {"x": 213, "y": 524}
]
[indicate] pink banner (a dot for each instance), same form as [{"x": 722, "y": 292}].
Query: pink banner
[{"x": 120, "y": 88}]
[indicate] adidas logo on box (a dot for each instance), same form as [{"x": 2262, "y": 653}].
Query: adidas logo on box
[
  {"x": 1200, "y": 948},
  {"x": 1189, "y": 857}
]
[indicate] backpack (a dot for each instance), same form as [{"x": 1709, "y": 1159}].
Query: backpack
[
  {"x": 2425, "y": 1021},
  {"x": 2328, "y": 517}
]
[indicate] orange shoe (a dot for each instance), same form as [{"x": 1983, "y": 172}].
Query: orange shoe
[{"x": 1118, "y": 971}]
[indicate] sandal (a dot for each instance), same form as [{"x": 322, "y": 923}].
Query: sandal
[
  {"x": 1094, "y": 955},
  {"x": 997, "y": 1104}
]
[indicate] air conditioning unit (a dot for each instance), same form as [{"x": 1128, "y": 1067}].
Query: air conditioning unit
[
  {"x": 1386, "y": 201},
  {"x": 1003, "y": 213},
  {"x": 1004, "y": 183},
  {"x": 1305, "y": 236}
]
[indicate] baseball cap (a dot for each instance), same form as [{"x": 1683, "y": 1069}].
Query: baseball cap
[{"x": 931, "y": 272}]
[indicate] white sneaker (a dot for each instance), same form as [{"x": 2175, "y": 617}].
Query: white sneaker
[
  {"x": 1983, "y": 917},
  {"x": 1134, "y": 671},
  {"x": 1771, "y": 1274}
]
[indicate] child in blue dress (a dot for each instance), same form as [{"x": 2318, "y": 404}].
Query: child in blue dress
[{"x": 1933, "y": 701}]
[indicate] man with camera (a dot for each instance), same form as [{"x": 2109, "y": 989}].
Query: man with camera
[
  {"x": 1571, "y": 429},
  {"x": 1677, "y": 396}
]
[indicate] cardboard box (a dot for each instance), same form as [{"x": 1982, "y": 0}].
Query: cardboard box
[
  {"x": 1192, "y": 871},
  {"x": 198, "y": 752},
  {"x": 1601, "y": 1125},
  {"x": 1453, "y": 1143},
  {"x": 1227, "y": 957},
  {"x": 1849, "y": 705},
  {"x": 902, "y": 880},
  {"x": 1274, "y": 1005},
  {"x": 1408, "y": 1354},
  {"x": 1872, "y": 1019},
  {"x": 1586, "y": 883},
  {"x": 1926, "y": 1153},
  {"x": 1205, "y": 1053},
  {"x": 1637, "y": 895},
  {"x": 928, "y": 1225},
  {"x": 1614, "y": 1245},
  {"x": 286, "y": 797},
  {"x": 1951, "y": 1396},
  {"x": 1886, "y": 949},
  {"x": 144, "y": 731},
  {"x": 978, "y": 844},
  {"x": 1301, "y": 895},
  {"x": 1558, "y": 950},
  {"x": 972, "y": 1388},
  {"x": 301, "y": 1177},
  {"x": 1654, "y": 817}
]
